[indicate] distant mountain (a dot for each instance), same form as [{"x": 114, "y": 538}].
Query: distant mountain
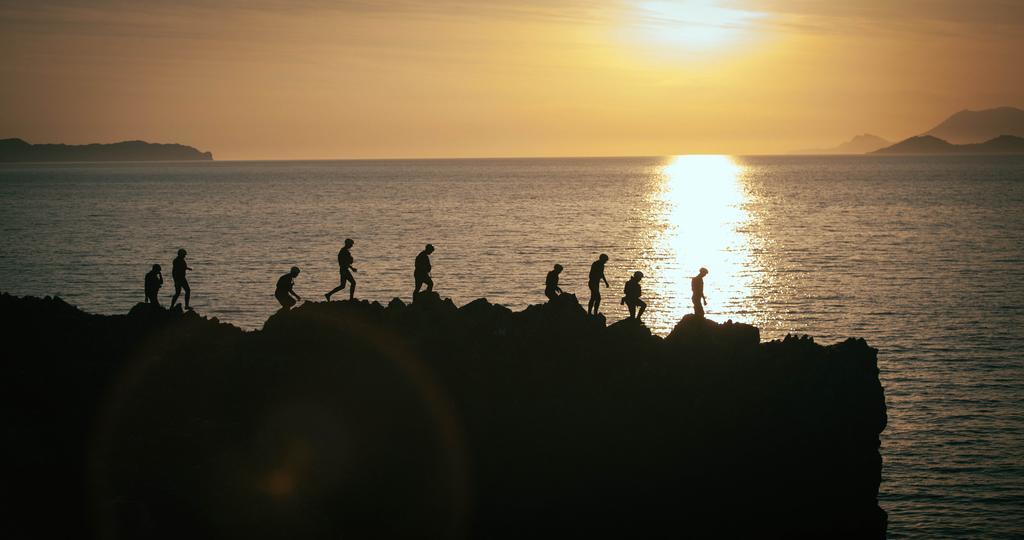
[
  {"x": 927, "y": 144},
  {"x": 17, "y": 150},
  {"x": 976, "y": 126},
  {"x": 861, "y": 144}
]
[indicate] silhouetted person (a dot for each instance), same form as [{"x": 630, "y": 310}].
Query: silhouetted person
[
  {"x": 345, "y": 266},
  {"x": 284, "y": 293},
  {"x": 154, "y": 280},
  {"x": 632, "y": 293},
  {"x": 422, "y": 272},
  {"x": 596, "y": 277},
  {"x": 551, "y": 288},
  {"x": 697, "y": 285},
  {"x": 178, "y": 269}
]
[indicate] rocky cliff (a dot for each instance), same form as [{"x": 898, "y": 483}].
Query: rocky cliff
[{"x": 431, "y": 420}]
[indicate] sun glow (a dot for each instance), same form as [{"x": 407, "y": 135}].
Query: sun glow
[
  {"x": 702, "y": 210},
  {"x": 694, "y": 24}
]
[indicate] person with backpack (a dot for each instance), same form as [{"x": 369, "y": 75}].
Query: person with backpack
[
  {"x": 154, "y": 280},
  {"x": 632, "y": 293},
  {"x": 422, "y": 271},
  {"x": 345, "y": 267}
]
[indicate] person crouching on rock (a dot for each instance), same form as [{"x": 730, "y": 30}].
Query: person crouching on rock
[
  {"x": 154, "y": 280},
  {"x": 284, "y": 292},
  {"x": 632, "y": 296},
  {"x": 551, "y": 288}
]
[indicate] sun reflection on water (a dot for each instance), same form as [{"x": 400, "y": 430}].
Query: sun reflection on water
[{"x": 701, "y": 206}]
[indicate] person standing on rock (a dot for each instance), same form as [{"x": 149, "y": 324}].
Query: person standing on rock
[
  {"x": 154, "y": 280},
  {"x": 697, "y": 286},
  {"x": 632, "y": 293},
  {"x": 551, "y": 288},
  {"x": 178, "y": 269},
  {"x": 285, "y": 293},
  {"x": 596, "y": 277},
  {"x": 345, "y": 266},
  {"x": 422, "y": 271}
]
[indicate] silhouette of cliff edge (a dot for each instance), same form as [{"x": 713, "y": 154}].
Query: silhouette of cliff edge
[{"x": 429, "y": 419}]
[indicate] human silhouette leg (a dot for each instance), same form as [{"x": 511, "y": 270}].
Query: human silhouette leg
[
  {"x": 352, "y": 291},
  {"x": 340, "y": 287},
  {"x": 631, "y": 305},
  {"x": 430, "y": 283},
  {"x": 177, "y": 293},
  {"x": 643, "y": 307},
  {"x": 188, "y": 294},
  {"x": 698, "y": 309}
]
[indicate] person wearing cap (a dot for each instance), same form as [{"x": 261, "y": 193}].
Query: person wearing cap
[
  {"x": 284, "y": 293},
  {"x": 178, "y": 269},
  {"x": 697, "y": 286},
  {"x": 154, "y": 280},
  {"x": 632, "y": 293},
  {"x": 345, "y": 266},
  {"x": 596, "y": 277},
  {"x": 551, "y": 288},
  {"x": 422, "y": 272}
]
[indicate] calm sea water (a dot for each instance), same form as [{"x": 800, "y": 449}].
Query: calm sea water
[{"x": 923, "y": 256}]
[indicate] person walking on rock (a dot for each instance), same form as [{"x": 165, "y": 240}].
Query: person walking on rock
[
  {"x": 632, "y": 293},
  {"x": 422, "y": 271},
  {"x": 284, "y": 292},
  {"x": 154, "y": 280},
  {"x": 697, "y": 286},
  {"x": 596, "y": 277},
  {"x": 178, "y": 269},
  {"x": 345, "y": 267},
  {"x": 551, "y": 288}
]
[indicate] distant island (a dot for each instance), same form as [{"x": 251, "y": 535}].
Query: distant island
[
  {"x": 18, "y": 150},
  {"x": 861, "y": 144},
  {"x": 927, "y": 144},
  {"x": 988, "y": 131},
  {"x": 967, "y": 127}
]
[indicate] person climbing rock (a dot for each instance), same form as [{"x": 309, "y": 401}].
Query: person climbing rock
[
  {"x": 551, "y": 288},
  {"x": 285, "y": 293},
  {"x": 632, "y": 293}
]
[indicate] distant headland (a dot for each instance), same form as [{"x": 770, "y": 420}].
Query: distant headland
[
  {"x": 20, "y": 151},
  {"x": 928, "y": 144},
  {"x": 988, "y": 131}
]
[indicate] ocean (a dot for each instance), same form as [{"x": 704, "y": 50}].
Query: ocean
[{"x": 921, "y": 255}]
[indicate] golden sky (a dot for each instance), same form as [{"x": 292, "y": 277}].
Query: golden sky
[{"x": 268, "y": 79}]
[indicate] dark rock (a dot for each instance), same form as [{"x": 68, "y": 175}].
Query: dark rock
[{"x": 354, "y": 419}]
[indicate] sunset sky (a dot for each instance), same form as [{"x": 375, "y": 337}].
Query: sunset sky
[{"x": 443, "y": 78}]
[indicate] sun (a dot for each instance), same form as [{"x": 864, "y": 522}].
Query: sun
[{"x": 694, "y": 25}]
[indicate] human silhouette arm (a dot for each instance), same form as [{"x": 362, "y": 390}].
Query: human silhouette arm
[
  {"x": 295, "y": 294},
  {"x": 353, "y": 268},
  {"x": 605, "y": 280}
]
